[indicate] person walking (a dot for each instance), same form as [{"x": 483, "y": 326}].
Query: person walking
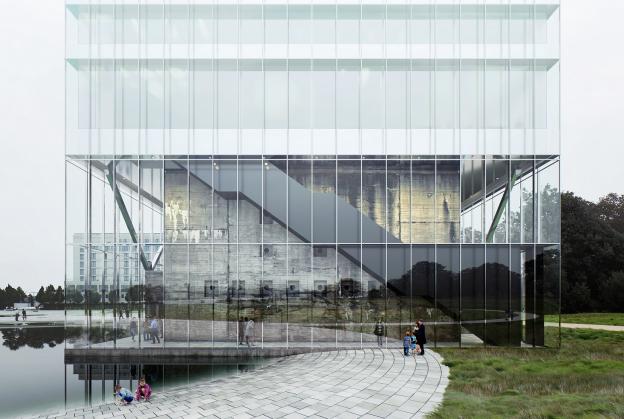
[
  {"x": 421, "y": 336},
  {"x": 133, "y": 328},
  {"x": 23, "y": 314},
  {"x": 249, "y": 332},
  {"x": 154, "y": 330},
  {"x": 379, "y": 332},
  {"x": 17, "y": 316},
  {"x": 241, "y": 331}
]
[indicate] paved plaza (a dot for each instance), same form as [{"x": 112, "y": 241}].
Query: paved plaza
[{"x": 368, "y": 383}]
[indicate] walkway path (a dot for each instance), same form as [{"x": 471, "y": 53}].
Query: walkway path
[
  {"x": 368, "y": 383},
  {"x": 587, "y": 326}
]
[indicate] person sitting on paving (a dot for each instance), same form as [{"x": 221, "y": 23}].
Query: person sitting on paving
[
  {"x": 143, "y": 390},
  {"x": 124, "y": 394}
]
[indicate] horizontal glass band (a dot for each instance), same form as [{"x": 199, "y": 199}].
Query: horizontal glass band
[
  {"x": 421, "y": 64},
  {"x": 315, "y": 11}
]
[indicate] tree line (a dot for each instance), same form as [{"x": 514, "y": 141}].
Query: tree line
[
  {"x": 49, "y": 296},
  {"x": 592, "y": 264}
]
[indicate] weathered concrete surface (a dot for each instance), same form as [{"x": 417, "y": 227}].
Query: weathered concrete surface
[{"x": 368, "y": 383}]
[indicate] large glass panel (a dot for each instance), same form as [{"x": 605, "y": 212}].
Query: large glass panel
[
  {"x": 447, "y": 201},
  {"x": 276, "y": 94},
  {"x": 349, "y": 193},
  {"x": 299, "y": 94},
  {"x": 250, "y": 290},
  {"x": 399, "y": 200},
  {"x": 549, "y": 213},
  {"x": 275, "y": 203},
  {"x": 76, "y": 184},
  {"x": 423, "y": 201},
  {"x": 225, "y": 268},
  {"x": 374, "y": 201},
  {"x": 324, "y": 308},
  {"x": 323, "y": 95},
  {"x": 176, "y": 181},
  {"x": 350, "y": 302},
  {"x": 447, "y": 331},
  {"x": 273, "y": 308},
  {"x": 372, "y": 95},
  {"x": 549, "y": 286},
  {"x": 250, "y": 200},
  {"x": 300, "y": 199},
  {"x": 375, "y": 286},
  {"x": 496, "y": 200},
  {"x": 175, "y": 319},
  {"x": 324, "y": 197},
  {"x": 398, "y": 296},
  {"x": 201, "y": 201},
  {"x": 472, "y": 295},
  {"x": 497, "y": 291},
  {"x": 202, "y": 314},
  {"x": 300, "y": 294},
  {"x": 226, "y": 205},
  {"x": 347, "y": 94},
  {"x": 252, "y": 89}
]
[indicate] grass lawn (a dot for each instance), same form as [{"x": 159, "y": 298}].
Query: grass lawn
[
  {"x": 584, "y": 379},
  {"x": 614, "y": 319}
]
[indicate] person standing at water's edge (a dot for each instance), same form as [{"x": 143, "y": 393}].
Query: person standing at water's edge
[
  {"x": 421, "y": 337},
  {"x": 23, "y": 314},
  {"x": 241, "y": 331}
]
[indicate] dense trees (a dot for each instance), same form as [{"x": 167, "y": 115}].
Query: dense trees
[
  {"x": 51, "y": 297},
  {"x": 592, "y": 266},
  {"x": 10, "y": 295}
]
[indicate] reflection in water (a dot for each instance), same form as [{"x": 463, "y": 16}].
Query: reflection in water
[
  {"x": 93, "y": 383},
  {"x": 40, "y": 360},
  {"x": 37, "y": 337}
]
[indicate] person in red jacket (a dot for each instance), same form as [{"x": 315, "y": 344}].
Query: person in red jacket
[{"x": 143, "y": 390}]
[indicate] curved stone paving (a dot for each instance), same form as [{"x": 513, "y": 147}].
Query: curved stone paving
[{"x": 369, "y": 383}]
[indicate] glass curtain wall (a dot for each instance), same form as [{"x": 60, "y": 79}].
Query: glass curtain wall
[{"x": 313, "y": 168}]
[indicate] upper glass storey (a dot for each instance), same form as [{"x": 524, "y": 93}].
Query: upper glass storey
[
  {"x": 346, "y": 78},
  {"x": 316, "y": 23}
]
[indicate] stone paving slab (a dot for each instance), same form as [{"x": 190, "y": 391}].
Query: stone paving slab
[{"x": 374, "y": 383}]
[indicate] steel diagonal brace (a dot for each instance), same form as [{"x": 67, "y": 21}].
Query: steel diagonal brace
[
  {"x": 502, "y": 206},
  {"x": 126, "y": 216}
]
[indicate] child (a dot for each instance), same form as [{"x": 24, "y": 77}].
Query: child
[
  {"x": 417, "y": 350},
  {"x": 143, "y": 390},
  {"x": 407, "y": 341},
  {"x": 413, "y": 343},
  {"x": 124, "y": 394}
]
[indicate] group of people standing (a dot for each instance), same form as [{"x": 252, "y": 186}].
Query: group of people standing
[
  {"x": 151, "y": 329},
  {"x": 414, "y": 340},
  {"x": 18, "y": 314},
  {"x": 246, "y": 331}
]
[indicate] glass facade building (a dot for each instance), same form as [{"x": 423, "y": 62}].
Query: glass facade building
[{"x": 316, "y": 166}]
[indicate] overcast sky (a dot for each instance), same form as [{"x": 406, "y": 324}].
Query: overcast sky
[{"x": 32, "y": 124}]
